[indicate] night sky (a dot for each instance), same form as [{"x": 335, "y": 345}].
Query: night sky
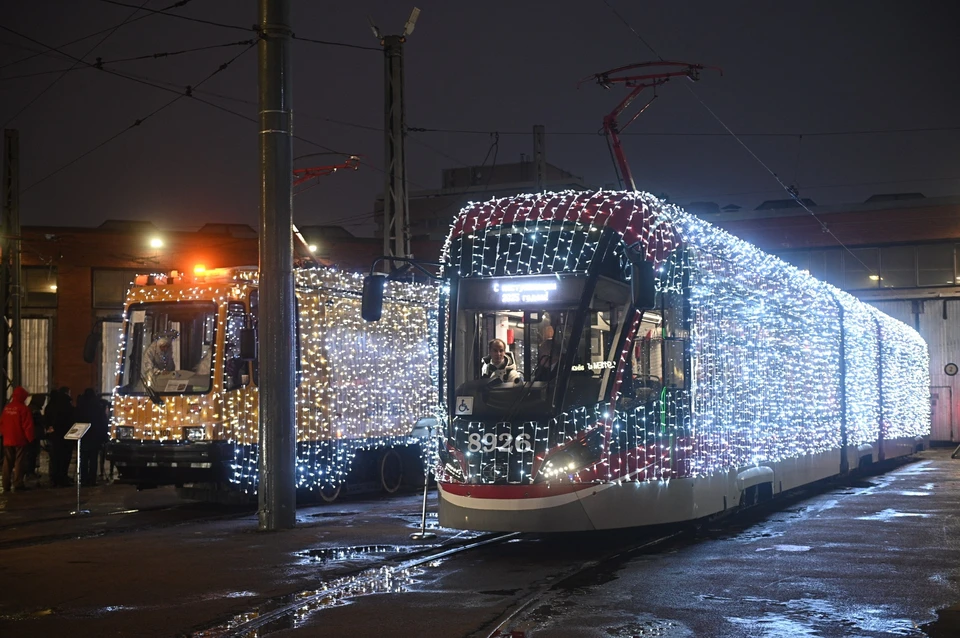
[{"x": 789, "y": 69}]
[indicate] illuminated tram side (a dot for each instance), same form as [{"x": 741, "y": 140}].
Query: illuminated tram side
[
  {"x": 362, "y": 388},
  {"x": 730, "y": 376}
]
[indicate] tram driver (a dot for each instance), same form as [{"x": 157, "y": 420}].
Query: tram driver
[
  {"x": 499, "y": 364},
  {"x": 158, "y": 357}
]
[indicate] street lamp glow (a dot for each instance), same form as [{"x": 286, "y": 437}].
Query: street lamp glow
[
  {"x": 156, "y": 242},
  {"x": 312, "y": 248}
]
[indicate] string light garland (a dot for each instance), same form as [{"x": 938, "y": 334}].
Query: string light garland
[
  {"x": 777, "y": 361},
  {"x": 362, "y": 385}
]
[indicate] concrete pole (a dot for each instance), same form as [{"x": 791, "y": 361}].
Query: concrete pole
[
  {"x": 277, "y": 327},
  {"x": 396, "y": 216},
  {"x": 540, "y": 157},
  {"x": 10, "y": 288}
]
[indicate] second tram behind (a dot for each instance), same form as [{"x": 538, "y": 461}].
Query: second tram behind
[{"x": 185, "y": 409}]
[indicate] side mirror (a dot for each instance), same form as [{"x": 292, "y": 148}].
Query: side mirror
[
  {"x": 248, "y": 344},
  {"x": 371, "y": 307},
  {"x": 643, "y": 286}
]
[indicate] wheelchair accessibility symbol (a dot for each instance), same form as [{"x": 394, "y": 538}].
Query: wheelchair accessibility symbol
[{"x": 464, "y": 406}]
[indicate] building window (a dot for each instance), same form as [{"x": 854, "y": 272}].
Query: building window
[
  {"x": 110, "y": 287},
  {"x": 861, "y": 269},
  {"x": 935, "y": 265},
  {"x": 111, "y": 337},
  {"x": 834, "y": 267},
  {"x": 898, "y": 267},
  {"x": 799, "y": 259},
  {"x": 39, "y": 287},
  {"x": 827, "y": 265},
  {"x": 34, "y": 354}
]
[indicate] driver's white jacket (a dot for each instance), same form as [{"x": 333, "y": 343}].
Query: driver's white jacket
[{"x": 506, "y": 373}]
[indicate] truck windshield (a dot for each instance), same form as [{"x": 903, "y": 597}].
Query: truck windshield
[{"x": 168, "y": 348}]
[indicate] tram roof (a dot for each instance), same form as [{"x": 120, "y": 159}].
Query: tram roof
[{"x": 638, "y": 218}]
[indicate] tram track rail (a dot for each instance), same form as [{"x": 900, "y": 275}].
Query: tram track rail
[
  {"x": 294, "y": 610},
  {"x": 524, "y": 605},
  {"x": 250, "y": 623},
  {"x": 87, "y": 533}
]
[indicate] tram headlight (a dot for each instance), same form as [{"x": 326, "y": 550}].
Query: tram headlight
[
  {"x": 580, "y": 453},
  {"x": 195, "y": 434},
  {"x": 122, "y": 432}
]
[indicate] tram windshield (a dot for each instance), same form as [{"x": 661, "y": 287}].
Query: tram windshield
[
  {"x": 509, "y": 360},
  {"x": 168, "y": 348}
]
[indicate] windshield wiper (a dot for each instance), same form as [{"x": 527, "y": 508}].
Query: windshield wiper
[{"x": 153, "y": 394}]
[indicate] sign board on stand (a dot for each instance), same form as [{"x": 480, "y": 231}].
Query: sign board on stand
[
  {"x": 77, "y": 431},
  {"x": 75, "y": 434}
]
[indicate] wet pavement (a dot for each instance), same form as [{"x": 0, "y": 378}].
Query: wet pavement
[{"x": 877, "y": 557}]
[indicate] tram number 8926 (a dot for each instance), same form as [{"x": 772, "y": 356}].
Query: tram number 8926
[{"x": 488, "y": 442}]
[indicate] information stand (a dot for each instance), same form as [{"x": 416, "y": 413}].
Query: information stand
[
  {"x": 75, "y": 434},
  {"x": 423, "y": 534}
]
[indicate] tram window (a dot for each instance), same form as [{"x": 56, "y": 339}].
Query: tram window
[
  {"x": 674, "y": 368},
  {"x": 642, "y": 378},
  {"x": 167, "y": 348},
  {"x": 674, "y": 322},
  {"x": 255, "y": 315},
  {"x": 235, "y": 370}
]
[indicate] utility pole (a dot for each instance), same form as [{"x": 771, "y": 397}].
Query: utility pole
[
  {"x": 10, "y": 287},
  {"x": 539, "y": 157},
  {"x": 277, "y": 347},
  {"x": 396, "y": 213}
]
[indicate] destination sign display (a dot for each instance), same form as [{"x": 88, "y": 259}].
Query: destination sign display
[{"x": 521, "y": 292}]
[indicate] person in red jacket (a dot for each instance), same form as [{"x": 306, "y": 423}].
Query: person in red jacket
[{"x": 16, "y": 426}]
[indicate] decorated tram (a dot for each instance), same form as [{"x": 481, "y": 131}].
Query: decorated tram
[
  {"x": 185, "y": 407},
  {"x": 666, "y": 370}
]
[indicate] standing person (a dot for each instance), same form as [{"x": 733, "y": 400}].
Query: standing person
[
  {"x": 107, "y": 414},
  {"x": 90, "y": 410},
  {"x": 16, "y": 424},
  {"x": 30, "y": 466},
  {"x": 548, "y": 356},
  {"x": 59, "y": 418}
]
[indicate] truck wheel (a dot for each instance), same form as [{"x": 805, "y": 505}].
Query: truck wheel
[
  {"x": 329, "y": 494},
  {"x": 391, "y": 471}
]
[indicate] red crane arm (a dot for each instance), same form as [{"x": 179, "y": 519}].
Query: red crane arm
[{"x": 301, "y": 175}]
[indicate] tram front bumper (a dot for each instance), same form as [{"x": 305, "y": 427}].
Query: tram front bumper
[{"x": 170, "y": 462}]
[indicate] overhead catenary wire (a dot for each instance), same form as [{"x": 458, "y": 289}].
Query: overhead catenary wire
[
  {"x": 186, "y": 93},
  {"x": 99, "y": 63},
  {"x": 825, "y": 186},
  {"x": 250, "y": 28},
  {"x": 923, "y": 129},
  {"x": 163, "y": 86},
  {"x": 59, "y": 77},
  {"x": 177, "y": 89},
  {"x": 793, "y": 192},
  {"x": 96, "y": 33}
]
